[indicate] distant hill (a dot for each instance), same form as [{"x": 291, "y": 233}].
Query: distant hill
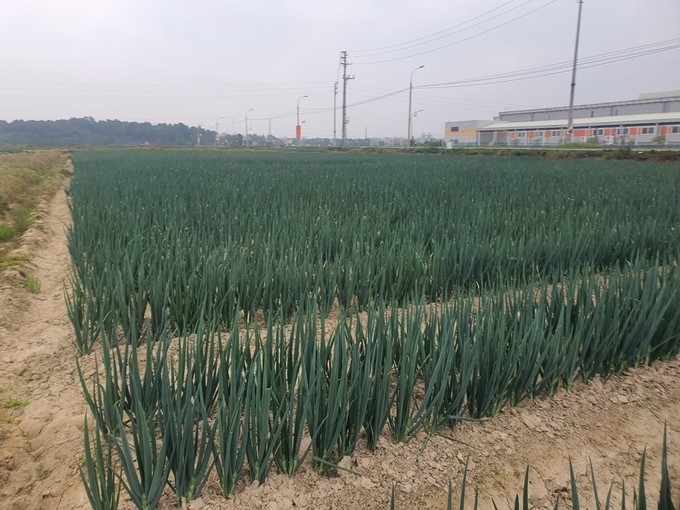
[{"x": 88, "y": 131}]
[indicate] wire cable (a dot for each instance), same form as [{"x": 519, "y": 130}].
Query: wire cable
[
  {"x": 474, "y": 36},
  {"x": 551, "y": 69},
  {"x": 431, "y": 37},
  {"x": 531, "y": 73}
]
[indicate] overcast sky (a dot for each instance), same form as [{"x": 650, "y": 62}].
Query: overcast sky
[{"x": 197, "y": 61}]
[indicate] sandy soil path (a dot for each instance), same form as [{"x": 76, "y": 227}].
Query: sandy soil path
[{"x": 40, "y": 441}]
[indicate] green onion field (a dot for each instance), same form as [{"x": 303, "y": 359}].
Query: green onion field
[{"x": 254, "y": 312}]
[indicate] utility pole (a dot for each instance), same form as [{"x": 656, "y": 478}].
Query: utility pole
[
  {"x": 409, "y": 134},
  {"x": 335, "y": 110},
  {"x": 245, "y": 140},
  {"x": 570, "y": 115},
  {"x": 270, "y": 127},
  {"x": 345, "y": 79}
]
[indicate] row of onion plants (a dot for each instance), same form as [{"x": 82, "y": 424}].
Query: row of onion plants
[
  {"x": 169, "y": 409},
  {"x": 175, "y": 232}
]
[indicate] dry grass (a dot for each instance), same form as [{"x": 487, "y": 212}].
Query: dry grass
[{"x": 27, "y": 179}]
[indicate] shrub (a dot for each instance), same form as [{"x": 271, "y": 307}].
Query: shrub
[{"x": 7, "y": 232}]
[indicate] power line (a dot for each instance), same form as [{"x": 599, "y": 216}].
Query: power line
[
  {"x": 435, "y": 33},
  {"x": 667, "y": 69},
  {"x": 474, "y": 36},
  {"x": 518, "y": 75},
  {"x": 57, "y": 94},
  {"x": 560, "y": 67},
  {"x": 246, "y": 85},
  {"x": 434, "y": 100},
  {"x": 532, "y": 73}
]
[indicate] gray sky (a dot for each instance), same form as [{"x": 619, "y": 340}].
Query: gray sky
[{"x": 196, "y": 61}]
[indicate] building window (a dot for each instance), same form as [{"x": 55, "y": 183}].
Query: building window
[
  {"x": 649, "y": 130},
  {"x": 556, "y": 133},
  {"x": 599, "y": 132},
  {"x": 621, "y": 131},
  {"x": 522, "y": 134},
  {"x": 454, "y": 129},
  {"x": 675, "y": 129},
  {"x": 539, "y": 134}
]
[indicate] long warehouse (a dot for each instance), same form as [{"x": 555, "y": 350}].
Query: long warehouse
[{"x": 653, "y": 119}]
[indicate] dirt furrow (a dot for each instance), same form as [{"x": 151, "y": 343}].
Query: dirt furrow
[{"x": 41, "y": 427}]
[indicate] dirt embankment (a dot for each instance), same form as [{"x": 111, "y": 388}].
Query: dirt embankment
[
  {"x": 42, "y": 414},
  {"x": 42, "y": 409}
]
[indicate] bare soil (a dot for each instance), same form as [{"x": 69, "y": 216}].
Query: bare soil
[
  {"x": 40, "y": 439},
  {"x": 42, "y": 411}
]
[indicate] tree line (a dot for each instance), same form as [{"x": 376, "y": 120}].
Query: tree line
[{"x": 88, "y": 131}]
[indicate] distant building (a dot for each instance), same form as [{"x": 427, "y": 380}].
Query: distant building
[
  {"x": 466, "y": 132},
  {"x": 654, "y": 118}
]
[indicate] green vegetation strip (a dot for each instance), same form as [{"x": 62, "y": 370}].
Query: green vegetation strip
[
  {"x": 26, "y": 178},
  {"x": 458, "y": 285}
]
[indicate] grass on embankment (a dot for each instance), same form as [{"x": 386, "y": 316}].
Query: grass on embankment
[{"x": 26, "y": 179}]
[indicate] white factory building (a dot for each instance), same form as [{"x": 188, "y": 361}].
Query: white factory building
[{"x": 653, "y": 119}]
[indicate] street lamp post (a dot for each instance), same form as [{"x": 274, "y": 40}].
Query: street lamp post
[
  {"x": 245, "y": 140},
  {"x": 410, "y": 97},
  {"x": 298, "y": 128}
]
